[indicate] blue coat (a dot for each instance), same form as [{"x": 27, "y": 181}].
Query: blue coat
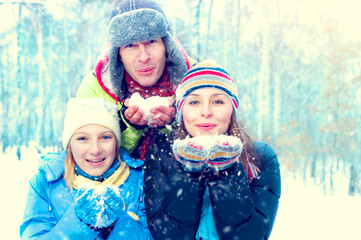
[{"x": 49, "y": 211}]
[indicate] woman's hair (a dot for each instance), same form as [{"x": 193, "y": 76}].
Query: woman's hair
[
  {"x": 69, "y": 166},
  {"x": 235, "y": 129}
]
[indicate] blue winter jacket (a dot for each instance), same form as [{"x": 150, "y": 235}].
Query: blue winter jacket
[{"x": 49, "y": 211}]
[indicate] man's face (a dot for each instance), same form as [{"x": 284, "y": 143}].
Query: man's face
[{"x": 144, "y": 61}]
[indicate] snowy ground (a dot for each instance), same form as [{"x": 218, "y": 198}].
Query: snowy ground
[{"x": 304, "y": 213}]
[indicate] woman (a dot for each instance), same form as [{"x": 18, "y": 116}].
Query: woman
[
  {"x": 91, "y": 190},
  {"x": 215, "y": 183}
]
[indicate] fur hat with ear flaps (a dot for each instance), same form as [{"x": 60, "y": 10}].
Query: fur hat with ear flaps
[{"x": 137, "y": 21}]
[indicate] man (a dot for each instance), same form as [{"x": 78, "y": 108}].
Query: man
[{"x": 142, "y": 57}]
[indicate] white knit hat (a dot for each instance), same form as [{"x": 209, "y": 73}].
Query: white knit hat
[{"x": 85, "y": 111}]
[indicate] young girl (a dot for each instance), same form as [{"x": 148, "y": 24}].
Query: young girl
[
  {"x": 92, "y": 190},
  {"x": 215, "y": 182}
]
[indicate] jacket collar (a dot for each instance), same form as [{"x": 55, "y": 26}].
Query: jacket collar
[{"x": 132, "y": 162}]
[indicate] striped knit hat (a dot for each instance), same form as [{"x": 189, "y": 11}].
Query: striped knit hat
[{"x": 206, "y": 74}]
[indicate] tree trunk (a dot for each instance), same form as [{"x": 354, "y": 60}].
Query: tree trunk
[
  {"x": 196, "y": 50},
  {"x": 209, "y": 29},
  {"x": 19, "y": 77},
  {"x": 263, "y": 94},
  {"x": 354, "y": 187}
]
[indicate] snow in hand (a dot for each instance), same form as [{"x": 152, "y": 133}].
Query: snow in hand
[
  {"x": 217, "y": 152},
  {"x": 208, "y": 143},
  {"x": 147, "y": 104},
  {"x": 100, "y": 196}
]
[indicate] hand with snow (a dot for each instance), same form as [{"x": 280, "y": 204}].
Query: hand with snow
[
  {"x": 204, "y": 152},
  {"x": 225, "y": 151},
  {"x": 191, "y": 153},
  {"x": 100, "y": 206},
  {"x": 153, "y": 111},
  {"x": 162, "y": 115}
]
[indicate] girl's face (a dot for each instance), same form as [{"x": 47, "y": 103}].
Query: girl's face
[
  {"x": 207, "y": 111},
  {"x": 94, "y": 148}
]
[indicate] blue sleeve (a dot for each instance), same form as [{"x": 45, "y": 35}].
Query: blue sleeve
[
  {"x": 40, "y": 223},
  {"x": 128, "y": 228}
]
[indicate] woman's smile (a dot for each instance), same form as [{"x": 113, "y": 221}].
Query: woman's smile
[{"x": 206, "y": 126}]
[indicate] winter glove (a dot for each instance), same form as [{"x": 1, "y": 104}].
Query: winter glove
[
  {"x": 100, "y": 206},
  {"x": 225, "y": 151},
  {"x": 191, "y": 153},
  {"x": 216, "y": 153}
]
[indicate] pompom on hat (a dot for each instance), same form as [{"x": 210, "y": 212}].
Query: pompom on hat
[
  {"x": 85, "y": 111},
  {"x": 134, "y": 21},
  {"x": 206, "y": 74}
]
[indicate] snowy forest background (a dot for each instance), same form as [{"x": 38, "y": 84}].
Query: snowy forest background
[{"x": 297, "y": 64}]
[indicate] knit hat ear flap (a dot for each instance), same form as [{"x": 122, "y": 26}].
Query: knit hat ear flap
[
  {"x": 116, "y": 69},
  {"x": 175, "y": 57}
]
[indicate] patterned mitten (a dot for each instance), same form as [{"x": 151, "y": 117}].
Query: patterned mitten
[
  {"x": 215, "y": 153},
  {"x": 191, "y": 153},
  {"x": 225, "y": 151}
]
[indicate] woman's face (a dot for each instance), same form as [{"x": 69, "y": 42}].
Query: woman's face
[
  {"x": 94, "y": 148},
  {"x": 207, "y": 111}
]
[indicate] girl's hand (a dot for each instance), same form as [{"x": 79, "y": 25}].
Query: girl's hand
[{"x": 100, "y": 206}]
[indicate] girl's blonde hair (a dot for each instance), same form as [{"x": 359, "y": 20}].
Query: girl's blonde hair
[{"x": 69, "y": 168}]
